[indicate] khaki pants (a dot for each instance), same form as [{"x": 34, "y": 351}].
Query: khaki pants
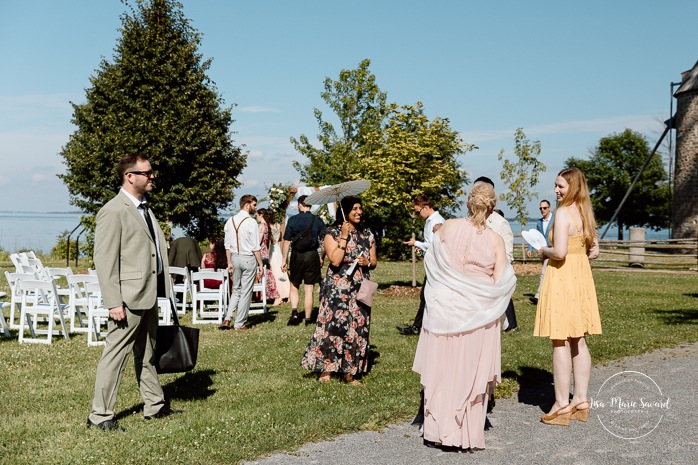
[{"x": 137, "y": 332}]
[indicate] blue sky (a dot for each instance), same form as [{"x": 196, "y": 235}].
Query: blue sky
[{"x": 568, "y": 73}]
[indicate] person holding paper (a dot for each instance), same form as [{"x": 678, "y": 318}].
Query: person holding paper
[
  {"x": 568, "y": 310},
  {"x": 340, "y": 341},
  {"x": 423, "y": 209},
  {"x": 542, "y": 226}
]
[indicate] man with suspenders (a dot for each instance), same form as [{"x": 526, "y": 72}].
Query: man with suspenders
[{"x": 244, "y": 260}]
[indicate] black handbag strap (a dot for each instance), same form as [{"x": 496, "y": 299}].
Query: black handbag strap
[{"x": 173, "y": 308}]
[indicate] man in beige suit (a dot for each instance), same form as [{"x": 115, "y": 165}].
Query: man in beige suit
[{"x": 130, "y": 256}]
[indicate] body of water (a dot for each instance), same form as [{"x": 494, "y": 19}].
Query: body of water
[
  {"x": 612, "y": 233},
  {"x": 34, "y": 231},
  {"x": 40, "y": 231}
]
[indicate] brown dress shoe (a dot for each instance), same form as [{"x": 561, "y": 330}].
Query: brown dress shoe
[{"x": 225, "y": 325}]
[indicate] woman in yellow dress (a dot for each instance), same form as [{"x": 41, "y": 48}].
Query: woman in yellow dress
[{"x": 567, "y": 308}]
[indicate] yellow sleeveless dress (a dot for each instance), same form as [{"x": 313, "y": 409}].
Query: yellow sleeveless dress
[{"x": 567, "y": 305}]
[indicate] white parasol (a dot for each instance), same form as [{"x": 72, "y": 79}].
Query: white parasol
[{"x": 337, "y": 192}]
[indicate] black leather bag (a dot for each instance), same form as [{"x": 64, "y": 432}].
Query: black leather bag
[{"x": 176, "y": 347}]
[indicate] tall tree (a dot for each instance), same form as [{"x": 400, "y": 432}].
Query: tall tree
[
  {"x": 155, "y": 98},
  {"x": 613, "y": 165},
  {"x": 359, "y": 105},
  {"x": 410, "y": 155},
  {"x": 395, "y": 147},
  {"x": 521, "y": 175}
]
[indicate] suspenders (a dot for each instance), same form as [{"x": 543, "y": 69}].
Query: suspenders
[{"x": 237, "y": 228}]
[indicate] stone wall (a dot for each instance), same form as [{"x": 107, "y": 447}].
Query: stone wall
[{"x": 685, "y": 207}]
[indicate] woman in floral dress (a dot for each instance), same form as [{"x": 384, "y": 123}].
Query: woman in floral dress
[
  {"x": 340, "y": 341},
  {"x": 272, "y": 293}
]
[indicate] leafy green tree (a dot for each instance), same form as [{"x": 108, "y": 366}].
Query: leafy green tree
[
  {"x": 610, "y": 170},
  {"x": 359, "y": 105},
  {"x": 395, "y": 147},
  {"x": 155, "y": 98},
  {"x": 410, "y": 155},
  {"x": 521, "y": 176}
]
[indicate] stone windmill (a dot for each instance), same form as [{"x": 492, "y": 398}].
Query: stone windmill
[{"x": 685, "y": 208}]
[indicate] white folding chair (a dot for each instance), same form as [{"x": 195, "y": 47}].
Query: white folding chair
[
  {"x": 3, "y": 323},
  {"x": 36, "y": 264},
  {"x": 165, "y": 308},
  {"x": 14, "y": 258},
  {"x": 78, "y": 302},
  {"x": 97, "y": 315},
  {"x": 29, "y": 269},
  {"x": 183, "y": 288},
  {"x": 48, "y": 306},
  {"x": 213, "y": 313},
  {"x": 164, "y": 311},
  {"x": 59, "y": 276},
  {"x": 15, "y": 294},
  {"x": 261, "y": 287}
]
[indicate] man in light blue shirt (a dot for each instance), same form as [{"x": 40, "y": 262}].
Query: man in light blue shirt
[
  {"x": 543, "y": 226},
  {"x": 423, "y": 208}
]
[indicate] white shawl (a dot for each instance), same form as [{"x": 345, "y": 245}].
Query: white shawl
[{"x": 456, "y": 303}]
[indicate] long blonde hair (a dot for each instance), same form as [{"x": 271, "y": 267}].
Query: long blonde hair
[
  {"x": 481, "y": 202},
  {"x": 578, "y": 194}
]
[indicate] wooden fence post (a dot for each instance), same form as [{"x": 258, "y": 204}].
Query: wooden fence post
[{"x": 636, "y": 252}]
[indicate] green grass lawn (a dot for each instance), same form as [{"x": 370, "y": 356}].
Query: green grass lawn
[{"x": 249, "y": 397}]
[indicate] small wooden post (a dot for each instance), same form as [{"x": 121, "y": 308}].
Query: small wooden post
[{"x": 636, "y": 251}]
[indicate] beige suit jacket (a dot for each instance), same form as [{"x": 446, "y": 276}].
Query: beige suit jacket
[{"x": 125, "y": 256}]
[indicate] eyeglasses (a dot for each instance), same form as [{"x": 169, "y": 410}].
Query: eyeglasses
[
  {"x": 148, "y": 174},
  {"x": 543, "y": 208}
]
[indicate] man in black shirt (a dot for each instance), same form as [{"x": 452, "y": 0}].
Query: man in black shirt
[{"x": 305, "y": 266}]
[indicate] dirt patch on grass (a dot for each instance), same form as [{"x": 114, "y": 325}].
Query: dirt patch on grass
[
  {"x": 402, "y": 291},
  {"x": 527, "y": 269}
]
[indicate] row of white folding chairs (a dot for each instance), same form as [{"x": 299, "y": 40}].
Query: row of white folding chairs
[
  {"x": 84, "y": 310},
  {"x": 25, "y": 297},
  {"x": 39, "y": 304},
  {"x": 28, "y": 258},
  {"x": 70, "y": 292},
  {"x": 98, "y": 316},
  {"x": 210, "y": 303}
]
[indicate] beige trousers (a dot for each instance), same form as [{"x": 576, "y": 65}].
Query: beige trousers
[{"x": 138, "y": 333}]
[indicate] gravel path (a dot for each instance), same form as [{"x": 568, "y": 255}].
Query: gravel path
[{"x": 517, "y": 437}]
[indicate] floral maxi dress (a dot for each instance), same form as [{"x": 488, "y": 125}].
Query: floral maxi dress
[
  {"x": 272, "y": 293},
  {"x": 340, "y": 341}
]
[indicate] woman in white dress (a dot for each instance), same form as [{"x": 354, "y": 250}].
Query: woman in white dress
[{"x": 283, "y": 285}]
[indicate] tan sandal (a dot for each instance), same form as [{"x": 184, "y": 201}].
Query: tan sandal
[
  {"x": 351, "y": 381},
  {"x": 558, "y": 418},
  {"x": 580, "y": 414},
  {"x": 325, "y": 377}
]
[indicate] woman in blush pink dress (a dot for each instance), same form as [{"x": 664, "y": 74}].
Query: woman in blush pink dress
[{"x": 468, "y": 287}]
